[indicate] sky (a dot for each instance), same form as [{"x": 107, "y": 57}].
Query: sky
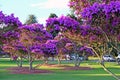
[{"x": 40, "y": 8}]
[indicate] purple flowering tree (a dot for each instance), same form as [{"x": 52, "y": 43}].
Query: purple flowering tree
[
  {"x": 59, "y": 47},
  {"x": 78, "y": 5},
  {"x": 50, "y": 50},
  {"x": 7, "y": 23},
  {"x": 13, "y": 46},
  {"x": 103, "y": 19},
  {"x": 69, "y": 29},
  {"x": 103, "y": 14},
  {"x": 32, "y": 37},
  {"x": 62, "y": 49}
]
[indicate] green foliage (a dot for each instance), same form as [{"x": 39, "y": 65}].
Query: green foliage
[
  {"x": 52, "y": 15},
  {"x": 72, "y": 16},
  {"x": 31, "y": 19}
]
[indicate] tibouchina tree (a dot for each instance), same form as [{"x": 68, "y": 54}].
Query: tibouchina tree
[
  {"x": 106, "y": 18},
  {"x": 8, "y": 24},
  {"x": 99, "y": 13},
  {"x": 78, "y": 5},
  {"x": 12, "y": 45},
  {"x": 70, "y": 29},
  {"x": 32, "y": 37}
]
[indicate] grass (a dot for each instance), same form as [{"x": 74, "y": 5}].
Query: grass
[{"x": 96, "y": 74}]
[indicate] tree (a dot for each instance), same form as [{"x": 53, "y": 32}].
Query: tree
[
  {"x": 12, "y": 45},
  {"x": 49, "y": 49},
  {"x": 69, "y": 28},
  {"x": 78, "y": 5},
  {"x": 52, "y": 15},
  {"x": 31, "y": 19},
  {"x": 7, "y": 23},
  {"x": 32, "y": 37},
  {"x": 26, "y": 41},
  {"x": 107, "y": 20},
  {"x": 103, "y": 17}
]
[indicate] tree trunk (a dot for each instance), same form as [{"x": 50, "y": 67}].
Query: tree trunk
[
  {"x": 20, "y": 65},
  {"x": 103, "y": 66},
  {"x": 30, "y": 61},
  {"x": 116, "y": 77},
  {"x": 46, "y": 59},
  {"x": 59, "y": 61},
  {"x": 52, "y": 58},
  {"x": 30, "y": 65},
  {"x": 17, "y": 62},
  {"x": 118, "y": 61},
  {"x": 77, "y": 60}
]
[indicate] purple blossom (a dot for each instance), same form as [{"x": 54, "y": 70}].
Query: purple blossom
[
  {"x": 38, "y": 51},
  {"x": 15, "y": 57},
  {"x": 87, "y": 50},
  {"x": 2, "y": 17},
  {"x": 84, "y": 30},
  {"x": 11, "y": 20},
  {"x": 92, "y": 38},
  {"x": 51, "y": 21},
  {"x": 11, "y": 35},
  {"x": 55, "y": 25},
  {"x": 52, "y": 41},
  {"x": 69, "y": 23},
  {"x": 49, "y": 49},
  {"x": 105, "y": 14}
]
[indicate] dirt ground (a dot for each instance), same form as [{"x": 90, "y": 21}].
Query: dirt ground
[{"x": 25, "y": 70}]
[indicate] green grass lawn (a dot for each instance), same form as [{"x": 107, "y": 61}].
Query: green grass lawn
[{"x": 96, "y": 74}]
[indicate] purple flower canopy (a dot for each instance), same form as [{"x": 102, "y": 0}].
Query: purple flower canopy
[
  {"x": 9, "y": 19},
  {"x": 102, "y": 10},
  {"x": 62, "y": 23},
  {"x": 68, "y": 22},
  {"x": 33, "y": 27},
  {"x": 11, "y": 34},
  {"x": 52, "y": 41},
  {"x": 87, "y": 50},
  {"x": 52, "y": 21},
  {"x": 87, "y": 29},
  {"x": 106, "y": 14},
  {"x": 97, "y": 8},
  {"x": 50, "y": 49},
  {"x": 2, "y": 17},
  {"x": 19, "y": 46},
  {"x": 38, "y": 30},
  {"x": 37, "y": 51}
]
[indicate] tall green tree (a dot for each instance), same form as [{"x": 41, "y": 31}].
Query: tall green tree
[
  {"x": 52, "y": 15},
  {"x": 72, "y": 16},
  {"x": 31, "y": 19}
]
